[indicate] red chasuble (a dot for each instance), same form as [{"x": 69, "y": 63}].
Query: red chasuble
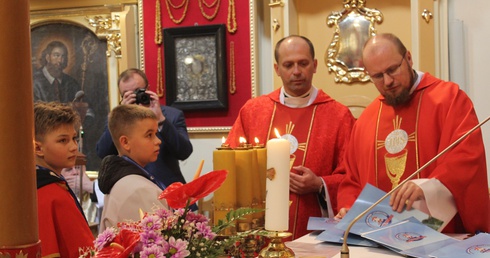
[
  {"x": 317, "y": 134},
  {"x": 437, "y": 115}
]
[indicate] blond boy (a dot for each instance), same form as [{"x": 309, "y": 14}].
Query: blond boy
[
  {"x": 63, "y": 228},
  {"x": 127, "y": 186}
]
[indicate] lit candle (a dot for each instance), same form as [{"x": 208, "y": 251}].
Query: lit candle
[
  {"x": 225, "y": 197},
  {"x": 277, "y": 185},
  {"x": 244, "y": 168}
]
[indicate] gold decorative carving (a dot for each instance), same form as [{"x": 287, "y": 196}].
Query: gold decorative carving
[
  {"x": 108, "y": 27},
  {"x": 232, "y": 68},
  {"x": 426, "y": 15},
  {"x": 275, "y": 3},
  {"x": 275, "y": 25},
  {"x": 353, "y": 26},
  {"x": 231, "y": 20},
  {"x": 214, "y": 5},
  {"x": 169, "y": 3}
]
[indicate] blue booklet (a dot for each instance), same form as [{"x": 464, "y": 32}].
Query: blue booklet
[
  {"x": 410, "y": 237},
  {"x": 334, "y": 235},
  {"x": 475, "y": 246},
  {"x": 382, "y": 215}
]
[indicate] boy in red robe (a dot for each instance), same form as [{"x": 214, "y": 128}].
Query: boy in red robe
[
  {"x": 63, "y": 229},
  {"x": 415, "y": 118}
]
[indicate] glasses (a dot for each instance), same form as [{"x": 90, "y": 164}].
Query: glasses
[{"x": 392, "y": 71}]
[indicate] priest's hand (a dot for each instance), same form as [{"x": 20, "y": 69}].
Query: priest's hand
[
  {"x": 302, "y": 181},
  {"x": 406, "y": 195},
  {"x": 342, "y": 213}
]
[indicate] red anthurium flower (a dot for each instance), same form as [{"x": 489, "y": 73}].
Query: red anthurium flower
[
  {"x": 122, "y": 245},
  {"x": 177, "y": 193}
]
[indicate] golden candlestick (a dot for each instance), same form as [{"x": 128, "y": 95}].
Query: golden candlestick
[{"x": 276, "y": 247}]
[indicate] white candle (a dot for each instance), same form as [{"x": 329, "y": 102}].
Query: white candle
[{"x": 277, "y": 185}]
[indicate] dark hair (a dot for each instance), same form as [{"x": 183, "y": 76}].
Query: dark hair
[
  {"x": 50, "y": 115},
  {"x": 126, "y": 75},
  {"x": 276, "y": 50},
  {"x": 49, "y": 48}
]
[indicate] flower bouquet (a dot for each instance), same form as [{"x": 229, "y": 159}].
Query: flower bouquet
[{"x": 166, "y": 233}]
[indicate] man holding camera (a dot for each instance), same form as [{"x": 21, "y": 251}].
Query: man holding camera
[{"x": 172, "y": 129}]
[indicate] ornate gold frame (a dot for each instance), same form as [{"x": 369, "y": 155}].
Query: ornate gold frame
[
  {"x": 253, "y": 70},
  {"x": 353, "y": 26}
]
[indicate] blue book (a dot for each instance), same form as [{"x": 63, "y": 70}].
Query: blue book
[
  {"x": 475, "y": 246},
  {"x": 410, "y": 237},
  {"x": 334, "y": 235},
  {"x": 382, "y": 215}
]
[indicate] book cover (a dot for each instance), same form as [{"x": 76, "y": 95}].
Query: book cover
[
  {"x": 382, "y": 215},
  {"x": 409, "y": 235},
  {"x": 334, "y": 235},
  {"x": 475, "y": 246}
]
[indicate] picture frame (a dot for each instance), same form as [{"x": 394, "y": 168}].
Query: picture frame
[
  {"x": 195, "y": 70},
  {"x": 87, "y": 35}
]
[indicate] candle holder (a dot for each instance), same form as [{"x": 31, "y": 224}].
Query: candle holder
[
  {"x": 224, "y": 146},
  {"x": 276, "y": 247}
]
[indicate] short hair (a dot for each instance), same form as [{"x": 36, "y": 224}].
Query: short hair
[
  {"x": 123, "y": 117},
  {"x": 49, "y": 48},
  {"x": 276, "y": 50},
  {"x": 126, "y": 75},
  {"x": 49, "y": 116},
  {"x": 391, "y": 38}
]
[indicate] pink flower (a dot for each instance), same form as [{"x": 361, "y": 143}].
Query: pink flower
[
  {"x": 194, "y": 217},
  {"x": 205, "y": 230},
  {"x": 149, "y": 238},
  {"x": 151, "y": 222},
  {"x": 104, "y": 238},
  {"x": 152, "y": 252},
  {"x": 176, "y": 248}
]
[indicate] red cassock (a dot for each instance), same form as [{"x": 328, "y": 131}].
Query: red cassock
[
  {"x": 318, "y": 134},
  {"x": 388, "y": 144},
  {"x": 62, "y": 228}
]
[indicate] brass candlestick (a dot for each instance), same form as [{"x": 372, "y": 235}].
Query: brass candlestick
[{"x": 276, "y": 247}]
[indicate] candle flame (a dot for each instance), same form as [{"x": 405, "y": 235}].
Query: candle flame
[
  {"x": 223, "y": 139},
  {"x": 277, "y": 133},
  {"x": 242, "y": 140},
  {"x": 256, "y": 140}
]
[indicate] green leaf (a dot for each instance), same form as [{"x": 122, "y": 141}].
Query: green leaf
[{"x": 233, "y": 216}]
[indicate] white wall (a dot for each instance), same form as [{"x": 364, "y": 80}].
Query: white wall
[{"x": 473, "y": 50}]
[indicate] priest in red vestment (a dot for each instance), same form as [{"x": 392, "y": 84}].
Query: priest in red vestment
[
  {"x": 316, "y": 125},
  {"x": 415, "y": 118}
]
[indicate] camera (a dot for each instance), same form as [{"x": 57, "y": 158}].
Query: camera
[{"x": 142, "y": 97}]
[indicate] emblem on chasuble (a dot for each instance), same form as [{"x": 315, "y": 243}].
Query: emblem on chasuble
[
  {"x": 293, "y": 142},
  {"x": 396, "y": 147}
]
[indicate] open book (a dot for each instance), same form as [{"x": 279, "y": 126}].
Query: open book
[
  {"x": 382, "y": 215},
  {"x": 411, "y": 233}
]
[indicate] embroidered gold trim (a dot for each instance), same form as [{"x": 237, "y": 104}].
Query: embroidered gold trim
[
  {"x": 232, "y": 68},
  {"x": 160, "y": 88},
  {"x": 158, "y": 23},
  {"x": 212, "y": 16},
  {"x": 231, "y": 23},
  {"x": 169, "y": 2}
]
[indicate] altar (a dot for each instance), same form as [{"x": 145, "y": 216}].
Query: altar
[{"x": 308, "y": 247}]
